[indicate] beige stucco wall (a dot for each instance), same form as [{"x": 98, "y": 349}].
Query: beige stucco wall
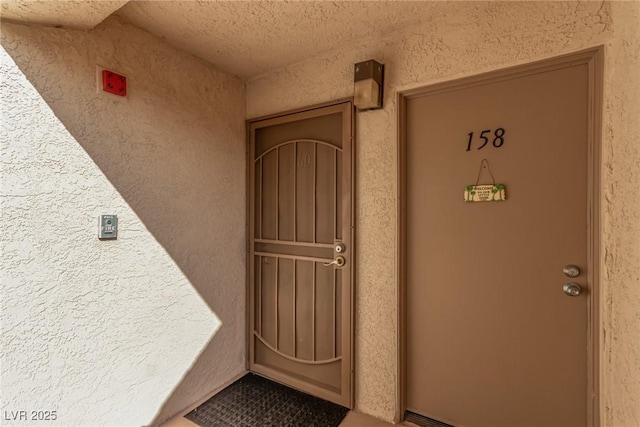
[
  {"x": 134, "y": 330},
  {"x": 468, "y": 38},
  {"x": 621, "y": 226}
]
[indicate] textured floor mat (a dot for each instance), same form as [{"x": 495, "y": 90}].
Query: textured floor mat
[{"x": 253, "y": 401}]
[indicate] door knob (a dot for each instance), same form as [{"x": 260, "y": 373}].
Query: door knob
[
  {"x": 572, "y": 289},
  {"x": 571, "y": 270},
  {"x": 338, "y": 262}
]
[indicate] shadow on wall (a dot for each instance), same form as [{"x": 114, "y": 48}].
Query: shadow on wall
[{"x": 174, "y": 151}]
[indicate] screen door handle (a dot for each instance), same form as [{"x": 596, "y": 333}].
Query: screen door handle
[{"x": 338, "y": 262}]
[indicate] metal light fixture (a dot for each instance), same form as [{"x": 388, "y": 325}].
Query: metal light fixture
[{"x": 368, "y": 85}]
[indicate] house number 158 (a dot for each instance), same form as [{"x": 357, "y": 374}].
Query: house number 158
[{"x": 498, "y": 138}]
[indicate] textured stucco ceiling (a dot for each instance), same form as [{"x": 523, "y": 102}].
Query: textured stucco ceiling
[
  {"x": 248, "y": 38},
  {"x": 245, "y": 38},
  {"x": 81, "y": 14}
]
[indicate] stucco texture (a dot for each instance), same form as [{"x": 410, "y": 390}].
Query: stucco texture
[
  {"x": 80, "y": 14},
  {"x": 621, "y": 221},
  {"x": 129, "y": 331},
  {"x": 465, "y": 39},
  {"x": 248, "y": 38}
]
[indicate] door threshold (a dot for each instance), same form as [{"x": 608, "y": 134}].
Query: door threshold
[{"x": 424, "y": 421}]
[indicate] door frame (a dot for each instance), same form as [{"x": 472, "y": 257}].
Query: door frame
[
  {"x": 594, "y": 59},
  {"x": 349, "y": 130}
]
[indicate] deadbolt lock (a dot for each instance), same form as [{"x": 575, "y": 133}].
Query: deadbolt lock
[
  {"x": 571, "y": 270},
  {"x": 340, "y": 248}
]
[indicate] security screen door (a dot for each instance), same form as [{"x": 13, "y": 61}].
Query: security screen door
[
  {"x": 301, "y": 251},
  {"x": 497, "y": 334}
]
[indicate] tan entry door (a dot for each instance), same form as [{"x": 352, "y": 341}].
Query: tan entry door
[
  {"x": 493, "y": 339},
  {"x": 301, "y": 251}
]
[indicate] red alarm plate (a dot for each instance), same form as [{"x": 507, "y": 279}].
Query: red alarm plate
[{"x": 114, "y": 83}]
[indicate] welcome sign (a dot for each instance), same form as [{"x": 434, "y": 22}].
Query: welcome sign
[{"x": 485, "y": 193}]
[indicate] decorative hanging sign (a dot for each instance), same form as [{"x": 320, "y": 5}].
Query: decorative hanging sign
[{"x": 485, "y": 192}]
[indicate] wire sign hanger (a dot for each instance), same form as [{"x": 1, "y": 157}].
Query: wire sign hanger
[{"x": 485, "y": 192}]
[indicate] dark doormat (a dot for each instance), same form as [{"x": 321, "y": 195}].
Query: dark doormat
[{"x": 253, "y": 401}]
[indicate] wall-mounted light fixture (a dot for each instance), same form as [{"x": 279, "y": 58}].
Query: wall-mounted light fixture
[{"x": 368, "y": 85}]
